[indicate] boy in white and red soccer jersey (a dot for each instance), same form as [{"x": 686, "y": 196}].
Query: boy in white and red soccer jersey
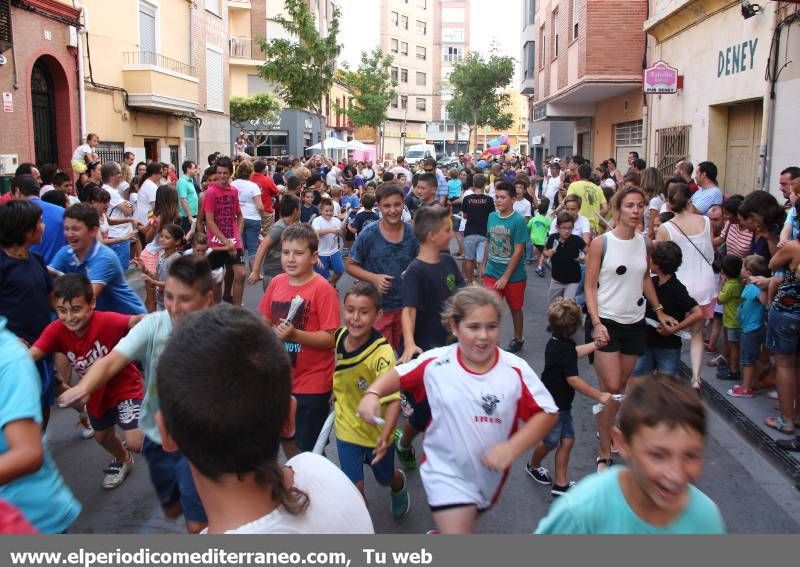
[{"x": 477, "y": 394}]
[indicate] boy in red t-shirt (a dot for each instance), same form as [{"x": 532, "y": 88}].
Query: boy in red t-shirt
[
  {"x": 85, "y": 336},
  {"x": 304, "y": 308}
]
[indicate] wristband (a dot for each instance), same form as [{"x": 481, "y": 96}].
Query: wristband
[
  {"x": 372, "y": 392},
  {"x": 658, "y": 307}
]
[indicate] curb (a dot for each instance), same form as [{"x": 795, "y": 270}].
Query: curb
[{"x": 784, "y": 460}]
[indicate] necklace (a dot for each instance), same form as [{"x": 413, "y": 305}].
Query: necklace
[{"x": 21, "y": 254}]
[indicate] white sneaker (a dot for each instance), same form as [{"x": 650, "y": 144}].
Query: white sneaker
[
  {"x": 86, "y": 428},
  {"x": 773, "y": 395},
  {"x": 116, "y": 473}
]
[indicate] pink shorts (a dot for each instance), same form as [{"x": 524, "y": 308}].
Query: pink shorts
[
  {"x": 391, "y": 327},
  {"x": 708, "y": 309}
]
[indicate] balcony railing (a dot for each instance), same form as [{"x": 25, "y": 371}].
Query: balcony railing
[
  {"x": 244, "y": 48},
  {"x": 158, "y": 60}
]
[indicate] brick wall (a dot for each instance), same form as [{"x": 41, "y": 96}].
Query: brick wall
[
  {"x": 16, "y": 128},
  {"x": 615, "y": 38}
]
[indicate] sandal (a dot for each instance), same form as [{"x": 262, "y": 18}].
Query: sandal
[
  {"x": 777, "y": 423},
  {"x": 717, "y": 361},
  {"x": 607, "y": 463}
]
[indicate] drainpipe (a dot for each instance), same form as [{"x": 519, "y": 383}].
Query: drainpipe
[{"x": 81, "y": 87}]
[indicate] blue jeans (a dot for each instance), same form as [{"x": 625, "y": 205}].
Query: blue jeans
[
  {"x": 123, "y": 252},
  {"x": 172, "y": 479},
  {"x": 750, "y": 346},
  {"x": 783, "y": 330},
  {"x": 664, "y": 360},
  {"x": 252, "y": 230},
  {"x": 563, "y": 429}
]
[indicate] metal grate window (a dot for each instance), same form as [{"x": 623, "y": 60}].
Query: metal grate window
[
  {"x": 173, "y": 157},
  {"x": 672, "y": 146},
  {"x": 6, "y": 37},
  {"x": 628, "y": 133},
  {"x": 110, "y": 151}
]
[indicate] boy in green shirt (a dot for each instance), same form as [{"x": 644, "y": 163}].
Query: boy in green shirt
[
  {"x": 539, "y": 226},
  {"x": 661, "y": 434},
  {"x": 730, "y": 297}
]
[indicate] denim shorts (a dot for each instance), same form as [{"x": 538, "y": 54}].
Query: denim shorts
[
  {"x": 662, "y": 360},
  {"x": 250, "y": 234},
  {"x": 352, "y": 459},
  {"x": 312, "y": 411},
  {"x": 474, "y": 247},
  {"x": 732, "y": 334},
  {"x": 783, "y": 331},
  {"x": 333, "y": 263},
  {"x": 123, "y": 252},
  {"x": 172, "y": 479},
  {"x": 750, "y": 346},
  {"x": 563, "y": 429}
]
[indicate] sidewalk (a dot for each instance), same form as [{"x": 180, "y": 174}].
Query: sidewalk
[{"x": 747, "y": 416}]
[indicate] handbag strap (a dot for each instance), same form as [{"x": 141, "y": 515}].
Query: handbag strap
[{"x": 673, "y": 223}]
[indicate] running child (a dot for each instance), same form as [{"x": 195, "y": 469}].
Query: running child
[
  {"x": 752, "y": 319},
  {"x": 560, "y": 377},
  {"x": 85, "y": 154},
  {"x": 475, "y": 208},
  {"x": 564, "y": 251},
  {"x": 365, "y": 217},
  {"x": 538, "y": 227},
  {"x": 304, "y": 309},
  {"x": 480, "y": 391},
  {"x": 431, "y": 278},
  {"x": 169, "y": 239},
  {"x": 662, "y": 354},
  {"x": 730, "y": 297},
  {"x": 242, "y": 484},
  {"x": 328, "y": 229},
  {"x": 503, "y": 265},
  {"x": 653, "y": 495},
  {"x": 84, "y": 336},
  {"x": 362, "y": 355},
  {"x": 308, "y": 210},
  {"x": 199, "y": 249}
]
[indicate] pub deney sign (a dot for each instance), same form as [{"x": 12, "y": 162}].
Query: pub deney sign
[{"x": 660, "y": 79}]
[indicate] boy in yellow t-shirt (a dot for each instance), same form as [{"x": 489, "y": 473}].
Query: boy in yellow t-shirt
[{"x": 362, "y": 356}]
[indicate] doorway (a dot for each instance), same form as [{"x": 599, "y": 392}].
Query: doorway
[
  {"x": 741, "y": 155},
  {"x": 151, "y": 150},
  {"x": 43, "y": 109}
]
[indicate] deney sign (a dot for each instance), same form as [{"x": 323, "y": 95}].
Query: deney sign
[
  {"x": 660, "y": 79},
  {"x": 737, "y": 58}
]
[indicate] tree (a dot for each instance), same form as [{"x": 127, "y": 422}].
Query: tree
[
  {"x": 373, "y": 89},
  {"x": 256, "y": 114},
  {"x": 304, "y": 66},
  {"x": 477, "y": 99}
]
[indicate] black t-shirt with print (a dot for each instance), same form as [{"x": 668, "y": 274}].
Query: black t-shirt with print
[{"x": 566, "y": 268}]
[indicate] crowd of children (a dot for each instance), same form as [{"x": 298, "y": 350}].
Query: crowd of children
[{"x": 414, "y": 352}]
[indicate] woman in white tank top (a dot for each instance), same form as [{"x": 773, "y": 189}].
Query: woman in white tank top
[
  {"x": 692, "y": 233},
  {"x": 617, "y": 282}
]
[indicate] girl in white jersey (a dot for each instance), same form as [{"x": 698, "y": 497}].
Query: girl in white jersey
[
  {"x": 477, "y": 394},
  {"x": 617, "y": 282}
]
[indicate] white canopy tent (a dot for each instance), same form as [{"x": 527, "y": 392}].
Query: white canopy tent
[
  {"x": 330, "y": 144},
  {"x": 357, "y": 146}
]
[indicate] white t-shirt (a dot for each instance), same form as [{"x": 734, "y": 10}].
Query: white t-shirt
[
  {"x": 656, "y": 202},
  {"x": 45, "y": 189},
  {"x": 115, "y": 212},
  {"x": 328, "y": 243},
  {"x": 333, "y": 176},
  {"x": 398, "y": 169},
  {"x": 81, "y": 152},
  {"x": 470, "y": 414},
  {"x": 580, "y": 228},
  {"x": 523, "y": 207},
  {"x": 145, "y": 200},
  {"x": 551, "y": 187},
  {"x": 335, "y": 506},
  {"x": 247, "y": 191}
]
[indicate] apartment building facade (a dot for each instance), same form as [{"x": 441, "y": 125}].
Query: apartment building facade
[
  {"x": 40, "y": 121},
  {"x": 587, "y": 71},
  {"x": 451, "y": 42},
  {"x": 406, "y": 32},
  {"x": 737, "y": 101},
  {"x": 249, "y": 20}
]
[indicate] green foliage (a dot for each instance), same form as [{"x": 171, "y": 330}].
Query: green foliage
[
  {"x": 302, "y": 67},
  {"x": 476, "y": 98},
  {"x": 261, "y": 108},
  {"x": 372, "y": 87}
]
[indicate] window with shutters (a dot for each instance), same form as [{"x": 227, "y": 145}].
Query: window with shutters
[
  {"x": 422, "y": 53},
  {"x": 542, "y": 45},
  {"x": 422, "y": 27},
  {"x": 403, "y": 102},
  {"x": 421, "y": 105},
  {"x": 422, "y": 79},
  {"x": 148, "y": 37},
  {"x": 555, "y": 27},
  {"x": 574, "y": 19},
  {"x": 395, "y": 18},
  {"x": 215, "y": 81},
  {"x": 404, "y": 22},
  {"x": 403, "y": 75},
  {"x": 628, "y": 133},
  {"x": 394, "y": 45},
  {"x": 394, "y": 102},
  {"x": 403, "y": 48},
  {"x": 393, "y": 73},
  {"x": 453, "y": 54}
]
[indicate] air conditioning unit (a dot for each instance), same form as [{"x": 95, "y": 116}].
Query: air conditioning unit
[{"x": 8, "y": 163}]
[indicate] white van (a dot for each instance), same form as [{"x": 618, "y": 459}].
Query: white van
[{"x": 419, "y": 152}]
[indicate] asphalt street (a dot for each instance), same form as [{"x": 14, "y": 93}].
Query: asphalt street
[{"x": 754, "y": 496}]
